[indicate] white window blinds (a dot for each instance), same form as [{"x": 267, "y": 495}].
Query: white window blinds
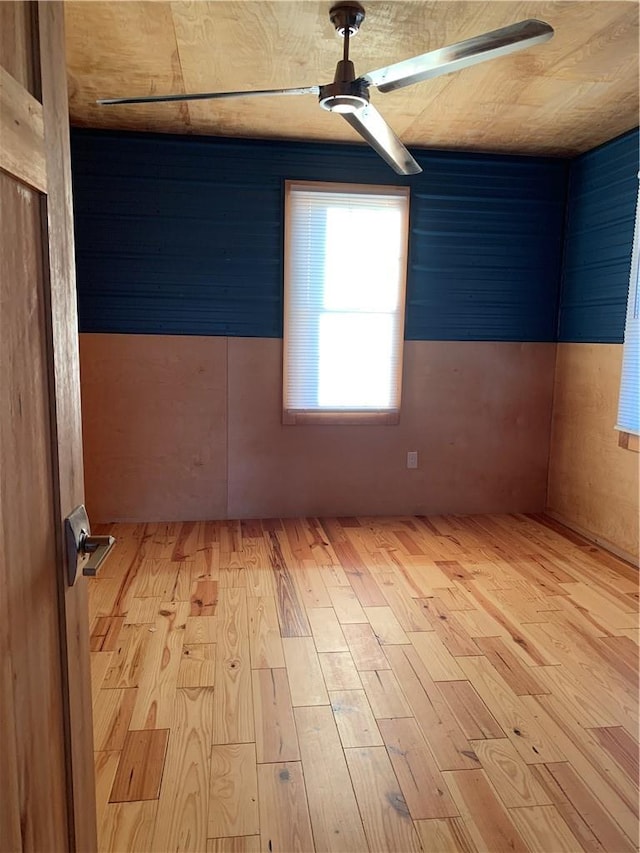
[
  {"x": 629, "y": 405},
  {"x": 345, "y": 273}
]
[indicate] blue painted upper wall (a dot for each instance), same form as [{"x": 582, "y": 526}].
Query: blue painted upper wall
[
  {"x": 601, "y": 205},
  {"x": 183, "y": 235}
]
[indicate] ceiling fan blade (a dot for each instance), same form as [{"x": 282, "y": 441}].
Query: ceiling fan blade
[
  {"x": 460, "y": 55},
  {"x": 207, "y": 96},
  {"x": 372, "y": 127}
]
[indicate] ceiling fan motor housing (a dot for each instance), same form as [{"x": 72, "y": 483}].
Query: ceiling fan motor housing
[{"x": 344, "y": 96}]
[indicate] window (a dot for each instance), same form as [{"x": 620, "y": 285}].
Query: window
[
  {"x": 629, "y": 406},
  {"x": 345, "y": 275}
]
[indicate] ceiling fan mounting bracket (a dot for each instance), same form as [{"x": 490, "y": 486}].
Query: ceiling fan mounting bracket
[{"x": 346, "y": 16}]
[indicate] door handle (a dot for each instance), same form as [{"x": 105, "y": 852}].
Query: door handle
[
  {"x": 97, "y": 547},
  {"x": 84, "y": 553}
]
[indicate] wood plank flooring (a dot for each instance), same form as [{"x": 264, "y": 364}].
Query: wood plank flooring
[{"x": 386, "y": 684}]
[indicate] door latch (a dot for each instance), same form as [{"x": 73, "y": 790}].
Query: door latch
[{"x": 84, "y": 552}]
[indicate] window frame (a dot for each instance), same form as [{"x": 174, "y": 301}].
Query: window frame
[
  {"x": 627, "y": 439},
  {"x": 345, "y": 416}
]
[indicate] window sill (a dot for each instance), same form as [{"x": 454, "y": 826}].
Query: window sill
[
  {"x": 629, "y": 441},
  {"x": 324, "y": 418}
]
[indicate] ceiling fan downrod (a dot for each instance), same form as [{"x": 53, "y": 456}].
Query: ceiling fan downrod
[{"x": 345, "y": 95}]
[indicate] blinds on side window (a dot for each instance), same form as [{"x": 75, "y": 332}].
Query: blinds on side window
[{"x": 629, "y": 405}]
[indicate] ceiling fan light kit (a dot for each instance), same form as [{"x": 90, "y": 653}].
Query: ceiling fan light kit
[
  {"x": 345, "y": 94},
  {"x": 348, "y": 95}
]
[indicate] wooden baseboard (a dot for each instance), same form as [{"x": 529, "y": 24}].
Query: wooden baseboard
[{"x": 632, "y": 559}]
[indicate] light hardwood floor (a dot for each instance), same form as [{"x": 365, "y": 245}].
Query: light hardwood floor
[{"x": 385, "y": 684}]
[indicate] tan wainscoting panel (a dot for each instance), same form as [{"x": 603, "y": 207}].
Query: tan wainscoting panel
[
  {"x": 154, "y": 426},
  {"x": 478, "y": 414},
  {"x": 156, "y": 421},
  {"x": 593, "y": 483}
]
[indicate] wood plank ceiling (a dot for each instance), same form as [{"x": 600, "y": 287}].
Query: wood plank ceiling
[{"x": 560, "y": 98}]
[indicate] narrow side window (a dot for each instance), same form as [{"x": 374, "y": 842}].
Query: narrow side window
[{"x": 629, "y": 405}]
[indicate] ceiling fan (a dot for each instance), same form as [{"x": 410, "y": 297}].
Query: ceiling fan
[{"x": 348, "y": 95}]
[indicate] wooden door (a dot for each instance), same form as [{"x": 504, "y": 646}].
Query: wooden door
[{"x": 47, "y": 797}]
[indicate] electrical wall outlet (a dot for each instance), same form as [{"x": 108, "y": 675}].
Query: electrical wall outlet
[{"x": 412, "y": 459}]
